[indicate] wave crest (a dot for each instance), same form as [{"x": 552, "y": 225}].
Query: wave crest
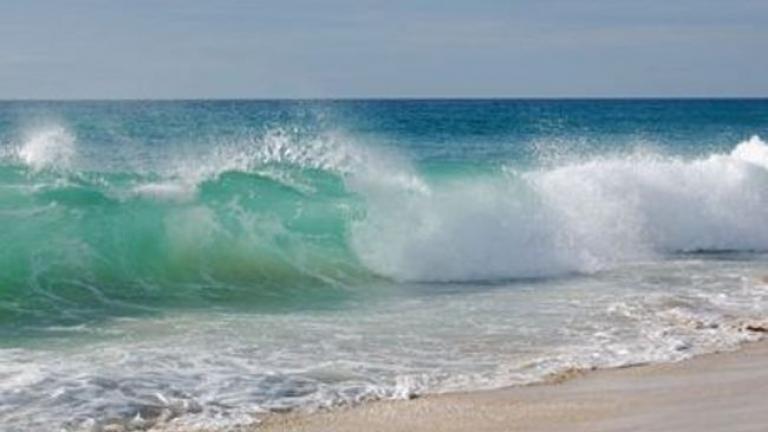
[
  {"x": 580, "y": 217},
  {"x": 48, "y": 147},
  {"x": 299, "y": 205}
]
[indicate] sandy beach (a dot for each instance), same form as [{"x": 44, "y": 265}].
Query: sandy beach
[{"x": 716, "y": 392}]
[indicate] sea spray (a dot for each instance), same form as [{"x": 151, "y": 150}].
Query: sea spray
[
  {"x": 52, "y": 147},
  {"x": 575, "y": 217}
]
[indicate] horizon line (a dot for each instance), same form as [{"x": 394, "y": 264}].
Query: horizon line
[{"x": 388, "y": 98}]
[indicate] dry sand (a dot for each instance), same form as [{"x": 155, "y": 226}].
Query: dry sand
[{"x": 717, "y": 392}]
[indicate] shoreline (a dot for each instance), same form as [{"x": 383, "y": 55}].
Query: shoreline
[{"x": 721, "y": 391}]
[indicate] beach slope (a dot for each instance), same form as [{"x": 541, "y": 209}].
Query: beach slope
[{"x": 717, "y": 392}]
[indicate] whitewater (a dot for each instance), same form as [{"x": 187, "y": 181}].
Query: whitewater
[{"x": 204, "y": 263}]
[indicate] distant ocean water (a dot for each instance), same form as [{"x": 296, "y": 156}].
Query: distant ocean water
[{"x": 203, "y": 262}]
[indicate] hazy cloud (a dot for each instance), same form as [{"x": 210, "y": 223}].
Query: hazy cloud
[{"x": 357, "y": 48}]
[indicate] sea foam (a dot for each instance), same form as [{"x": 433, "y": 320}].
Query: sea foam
[
  {"x": 579, "y": 217},
  {"x": 52, "y": 146}
]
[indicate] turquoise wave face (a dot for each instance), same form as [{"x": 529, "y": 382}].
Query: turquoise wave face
[{"x": 79, "y": 245}]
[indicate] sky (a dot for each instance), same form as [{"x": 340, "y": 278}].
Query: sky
[{"x": 166, "y": 49}]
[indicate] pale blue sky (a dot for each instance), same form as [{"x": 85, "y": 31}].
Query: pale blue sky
[{"x": 364, "y": 48}]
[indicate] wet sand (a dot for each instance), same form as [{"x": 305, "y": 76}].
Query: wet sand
[{"x": 716, "y": 392}]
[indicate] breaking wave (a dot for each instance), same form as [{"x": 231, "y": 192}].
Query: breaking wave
[{"x": 271, "y": 214}]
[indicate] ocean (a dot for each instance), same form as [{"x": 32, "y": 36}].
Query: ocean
[{"x": 203, "y": 263}]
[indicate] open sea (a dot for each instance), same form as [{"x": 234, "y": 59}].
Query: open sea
[{"x": 202, "y": 263}]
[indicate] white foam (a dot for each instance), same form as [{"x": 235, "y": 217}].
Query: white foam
[
  {"x": 52, "y": 146},
  {"x": 364, "y": 166},
  {"x": 166, "y": 191},
  {"x": 623, "y": 206},
  {"x": 579, "y": 217},
  {"x": 753, "y": 151}
]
